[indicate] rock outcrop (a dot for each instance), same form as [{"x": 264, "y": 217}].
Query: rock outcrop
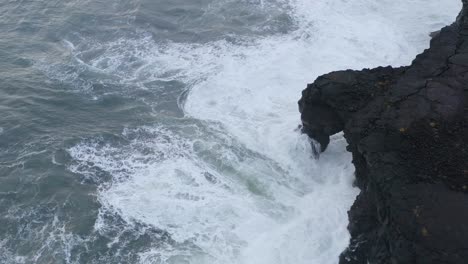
[{"x": 407, "y": 130}]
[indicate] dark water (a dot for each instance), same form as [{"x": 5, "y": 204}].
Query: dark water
[
  {"x": 156, "y": 131},
  {"x": 51, "y": 100}
]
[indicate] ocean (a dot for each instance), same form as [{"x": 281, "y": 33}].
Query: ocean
[{"x": 157, "y": 131}]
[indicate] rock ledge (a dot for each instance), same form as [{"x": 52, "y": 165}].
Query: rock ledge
[{"x": 406, "y": 129}]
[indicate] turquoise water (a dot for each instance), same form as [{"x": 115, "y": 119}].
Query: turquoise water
[{"x": 165, "y": 131}]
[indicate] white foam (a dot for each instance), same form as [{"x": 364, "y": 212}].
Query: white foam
[
  {"x": 179, "y": 193},
  {"x": 246, "y": 189},
  {"x": 229, "y": 211}
]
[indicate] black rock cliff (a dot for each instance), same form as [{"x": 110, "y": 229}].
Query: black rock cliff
[{"x": 406, "y": 129}]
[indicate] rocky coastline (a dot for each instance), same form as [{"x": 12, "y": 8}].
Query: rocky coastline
[{"x": 407, "y": 131}]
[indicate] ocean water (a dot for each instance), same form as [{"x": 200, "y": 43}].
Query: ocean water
[{"x": 156, "y": 131}]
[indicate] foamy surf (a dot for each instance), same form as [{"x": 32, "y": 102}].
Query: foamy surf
[{"x": 233, "y": 181}]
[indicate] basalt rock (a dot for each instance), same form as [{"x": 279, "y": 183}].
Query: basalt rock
[{"x": 407, "y": 131}]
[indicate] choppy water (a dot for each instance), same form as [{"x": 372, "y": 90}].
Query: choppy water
[{"x": 157, "y": 131}]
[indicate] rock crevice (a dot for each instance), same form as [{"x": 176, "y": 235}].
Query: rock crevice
[{"x": 406, "y": 129}]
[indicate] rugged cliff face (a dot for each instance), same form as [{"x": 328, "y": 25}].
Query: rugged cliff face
[{"x": 406, "y": 128}]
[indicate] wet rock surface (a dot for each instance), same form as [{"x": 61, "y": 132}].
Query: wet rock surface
[{"x": 407, "y": 130}]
